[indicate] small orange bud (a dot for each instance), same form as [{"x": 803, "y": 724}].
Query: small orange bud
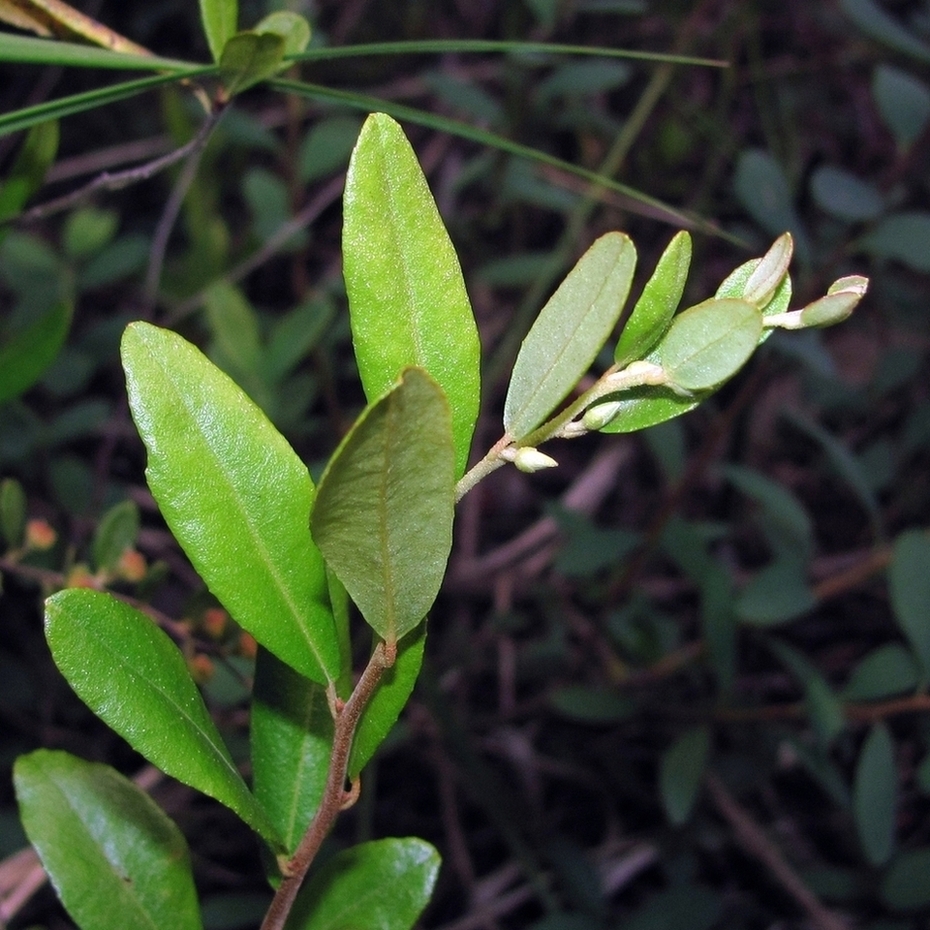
[
  {"x": 40, "y": 535},
  {"x": 214, "y": 621},
  {"x": 201, "y": 668},
  {"x": 132, "y": 565},
  {"x": 80, "y": 577},
  {"x": 247, "y": 645}
]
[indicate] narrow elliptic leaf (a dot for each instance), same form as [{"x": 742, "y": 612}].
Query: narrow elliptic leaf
[
  {"x": 875, "y": 792},
  {"x": 383, "y": 511},
  {"x": 657, "y": 304},
  {"x": 844, "y": 196},
  {"x": 885, "y": 672},
  {"x": 382, "y": 885},
  {"x": 12, "y": 513},
  {"x": 407, "y": 300},
  {"x": 248, "y": 58},
  {"x": 681, "y": 773},
  {"x": 709, "y": 343},
  {"x": 220, "y": 20},
  {"x": 569, "y": 332},
  {"x": 903, "y": 101},
  {"x": 235, "y": 495},
  {"x": 135, "y": 679},
  {"x": 25, "y": 176},
  {"x": 32, "y": 349},
  {"x": 389, "y": 699},
  {"x": 909, "y": 582},
  {"x": 292, "y": 740},
  {"x": 113, "y": 856},
  {"x": 115, "y": 533}
]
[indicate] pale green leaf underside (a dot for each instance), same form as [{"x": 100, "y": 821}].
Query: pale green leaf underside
[{"x": 234, "y": 494}]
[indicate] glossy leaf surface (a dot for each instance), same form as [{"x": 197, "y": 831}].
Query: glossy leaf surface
[
  {"x": 681, "y": 773},
  {"x": 389, "y": 699},
  {"x": 291, "y": 742},
  {"x": 234, "y": 494},
  {"x": 383, "y": 511},
  {"x": 657, "y": 304},
  {"x": 382, "y": 885},
  {"x": 407, "y": 300},
  {"x": 875, "y": 795},
  {"x": 219, "y": 19},
  {"x": 568, "y": 333},
  {"x": 113, "y": 856},
  {"x": 135, "y": 679},
  {"x": 909, "y": 582}
]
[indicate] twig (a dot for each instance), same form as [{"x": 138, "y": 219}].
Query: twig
[{"x": 751, "y": 837}]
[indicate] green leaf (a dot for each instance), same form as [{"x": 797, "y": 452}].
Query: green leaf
[
  {"x": 885, "y": 672},
  {"x": 292, "y": 27},
  {"x": 88, "y": 230},
  {"x": 19, "y": 49},
  {"x": 903, "y": 101},
  {"x": 407, "y": 300},
  {"x": 116, "y": 532},
  {"x": 909, "y": 583},
  {"x": 875, "y": 791},
  {"x": 883, "y": 27},
  {"x": 389, "y": 699},
  {"x": 658, "y": 302},
  {"x": 235, "y": 495},
  {"x": 641, "y": 408},
  {"x": 249, "y": 58},
  {"x": 12, "y": 512},
  {"x": 234, "y": 324},
  {"x": 904, "y": 886},
  {"x": 29, "y": 352},
  {"x": 383, "y": 511},
  {"x": 292, "y": 740},
  {"x": 384, "y": 884},
  {"x": 778, "y": 593},
  {"x": 591, "y": 706},
  {"x": 25, "y": 176},
  {"x": 220, "y": 19},
  {"x": 902, "y": 237},
  {"x": 707, "y": 344},
  {"x": 681, "y": 772},
  {"x": 844, "y": 196},
  {"x": 135, "y": 679},
  {"x": 569, "y": 332},
  {"x": 734, "y": 286},
  {"x": 327, "y": 147},
  {"x": 113, "y": 856}
]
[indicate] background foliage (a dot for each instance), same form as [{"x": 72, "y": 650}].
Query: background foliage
[{"x": 679, "y": 681}]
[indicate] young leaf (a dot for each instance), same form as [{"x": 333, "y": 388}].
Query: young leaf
[
  {"x": 248, "y": 58},
  {"x": 384, "y": 884},
  {"x": 115, "y": 533},
  {"x": 909, "y": 582},
  {"x": 219, "y": 19},
  {"x": 569, "y": 332},
  {"x": 25, "y": 176},
  {"x": 383, "y": 511},
  {"x": 113, "y": 856},
  {"x": 292, "y": 27},
  {"x": 681, "y": 773},
  {"x": 875, "y": 795},
  {"x": 407, "y": 300},
  {"x": 389, "y": 699},
  {"x": 292, "y": 739},
  {"x": 235, "y": 495},
  {"x": 658, "y": 302},
  {"x": 32, "y": 349},
  {"x": 709, "y": 343},
  {"x": 135, "y": 679}
]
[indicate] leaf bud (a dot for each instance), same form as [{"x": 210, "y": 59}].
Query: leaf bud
[
  {"x": 598, "y": 416},
  {"x": 529, "y": 459},
  {"x": 770, "y": 272}
]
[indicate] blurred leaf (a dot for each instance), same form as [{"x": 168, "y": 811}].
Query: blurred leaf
[
  {"x": 113, "y": 856},
  {"x": 652, "y": 315},
  {"x": 291, "y": 740},
  {"x": 708, "y": 343},
  {"x": 12, "y": 512},
  {"x": 695, "y": 907},
  {"x": 903, "y": 237},
  {"x": 909, "y": 582},
  {"x": 135, "y": 679},
  {"x": 25, "y": 177},
  {"x": 234, "y": 325},
  {"x": 326, "y": 147},
  {"x": 903, "y": 101},
  {"x": 234, "y": 910},
  {"x": 292, "y": 27},
  {"x": 124, "y": 256},
  {"x": 587, "y": 549},
  {"x": 464, "y": 96},
  {"x": 516, "y": 270},
  {"x": 568, "y": 333},
  {"x": 29, "y": 351},
  {"x": 594, "y": 706},
  {"x": 777, "y": 593},
  {"x": 269, "y": 202},
  {"x": 845, "y": 196},
  {"x": 390, "y": 698},
  {"x": 219, "y": 19},
  {"x": 884, "y": 672},
  {"x": 234, "y": 494},
  {"x": 875, "y": 795},
  {"x": 583, "y": 79},
  {"x": 88, "y": 230},
  {"x": 881, "y": 26},
  {"x": 681, "y": 772},
  {"x": 383, "y": 511},
  {"x": 407, "y": 300},
  {"x": 904, "y": 886},
  {"x": 249, "y": 58},
  {"x": 762, "y": 189},
  {"x": 115, "y": 533},
  {"x": 384, "y": 884},
  {"x": 295, "y": 335}
]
